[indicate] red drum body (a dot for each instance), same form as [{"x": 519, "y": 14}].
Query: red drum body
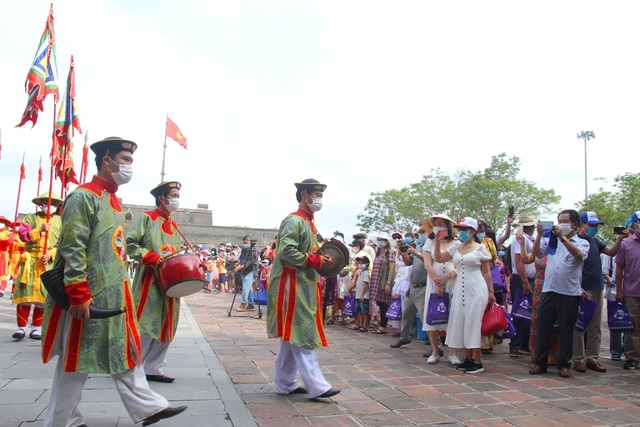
[{"x": 181, "y": 275}]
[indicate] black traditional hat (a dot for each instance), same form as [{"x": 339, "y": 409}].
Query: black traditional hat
[
  {"x": 113, "y": 144},
  {"x": 310, "y": 185},
  {"x": 165, "y": 187}
]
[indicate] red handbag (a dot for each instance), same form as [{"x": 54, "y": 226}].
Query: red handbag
[{"x": 493, "y": 320}]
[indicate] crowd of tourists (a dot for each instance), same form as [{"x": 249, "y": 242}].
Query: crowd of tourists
[{"x": 552, "y": 281}]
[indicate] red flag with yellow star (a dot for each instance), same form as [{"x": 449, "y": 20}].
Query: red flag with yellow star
[{"x": 174, "y": 133}]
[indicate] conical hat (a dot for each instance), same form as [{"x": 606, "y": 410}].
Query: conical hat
[{"x": 42, "y": 198}]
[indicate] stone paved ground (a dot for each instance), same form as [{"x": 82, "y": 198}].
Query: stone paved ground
[{"x": 382, "y": 386}]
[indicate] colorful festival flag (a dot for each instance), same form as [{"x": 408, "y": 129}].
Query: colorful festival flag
[
  {"x": 174, "y": 133},
  {"x": 42, "y": 78},
  {"x": 67, "y": 123}
]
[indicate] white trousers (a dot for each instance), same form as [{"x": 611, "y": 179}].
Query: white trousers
[
  {"x": 154, "y": 354},
  {"x": 291, "y": 359},
  {"x": 66, "y": 392}
]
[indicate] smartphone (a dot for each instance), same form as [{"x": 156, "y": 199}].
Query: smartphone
[
  {"x": 520, "y": 230},
  {"x": 512, "y": 210},
  {"x": 546, "y": 225},
  {"x": 618, "y": 230}
]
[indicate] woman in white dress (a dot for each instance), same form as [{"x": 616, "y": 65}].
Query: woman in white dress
[
  {"x": 441, "y": 278},
  {"x": 473, "y": 292}
]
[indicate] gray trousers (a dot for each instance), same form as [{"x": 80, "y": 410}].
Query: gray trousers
[{"x": 412, "y": 303}]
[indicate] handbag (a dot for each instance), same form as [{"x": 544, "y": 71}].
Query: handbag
[
  {"x": 349, "y": 306},
  {"x": 394, "y": 312},
  {"x": 510, "y": 330},
  {"x": 618, "y": 317},
  {"x": 522, "y": 308},
  {"x": 493, "y": 320},
  {"x": 438, "y": 309},
  {"x": 260, "y": 297},
  {"x": 586, "y": 310}
]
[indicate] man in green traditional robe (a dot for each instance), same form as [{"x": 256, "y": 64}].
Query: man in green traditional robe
[
  {"x": 153, "y": 237},
  {"x": 294, "y": 302},
  {"x": 93, "y": 254}
]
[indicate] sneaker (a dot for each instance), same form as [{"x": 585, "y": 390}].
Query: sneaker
[
  {"x": 514, "y": 353},
  {"x": 241, "y": 307},
  {"x": 432, "y": 360},
  {"x": 474, "y": 368},
  {"x": 616, "y": 357},
  {"x": 630, "y": 364},
  {"x": 454, "y": 360},
  {"x": 464, "y": 365}
]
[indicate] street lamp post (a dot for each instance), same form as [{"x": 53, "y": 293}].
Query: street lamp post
[{"x": 586, "y": 135}]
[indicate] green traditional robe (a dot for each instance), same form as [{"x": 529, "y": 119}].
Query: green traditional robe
[
  {"x": 92, "y": 249},
  {"x": 294, "y": 302},
  {"x": 157, "y": 314}
]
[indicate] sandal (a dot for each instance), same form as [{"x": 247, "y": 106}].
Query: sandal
[
  {"x": 352, "y": 326},
  {"x": 343, "y": 322},
  {"x": 361, "y": 329},
  {"x": 379, "y": 331}
]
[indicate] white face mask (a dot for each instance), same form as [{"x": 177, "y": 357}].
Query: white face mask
[
  {"x": 566, "y": 228},
  {"x": 316, "y": 204},
  {"x": 45, "y": 210},
  {"x": 124, "y": 175},
  {"x": 362, "y": 266},
  {"x": 173, "y": 205},
  {"x": 381, "y": 243}
]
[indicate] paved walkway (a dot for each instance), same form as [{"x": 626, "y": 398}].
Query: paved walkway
[{"x": 224, "y": 370}]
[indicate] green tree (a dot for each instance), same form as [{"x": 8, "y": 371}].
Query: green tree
[
  {"x": 485, "y": 194},
  {"x": 615, "y": 206}
]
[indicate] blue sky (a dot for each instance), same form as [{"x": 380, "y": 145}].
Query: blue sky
[{"x": 363, "y": 95}]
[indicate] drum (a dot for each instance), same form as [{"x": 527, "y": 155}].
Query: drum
[{"x": 181, "y": 275}]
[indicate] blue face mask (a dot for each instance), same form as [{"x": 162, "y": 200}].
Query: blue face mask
[
  {"x": 464, "y": 235},
  {"x": 407, "y": 240},
  {"x": 592, "y": 231},
  {"x": 500, "y": 254},
  {"x": 481, "y": 235},
  {"x": 421, "y": 239},
  {"x": 246, "y": 245}
]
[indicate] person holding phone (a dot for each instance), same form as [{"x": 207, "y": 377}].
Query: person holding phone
[
  {"x": 586, "y": 356},
  {"x": 522, "y": 278}
]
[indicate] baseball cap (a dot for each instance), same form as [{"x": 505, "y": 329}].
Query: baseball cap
[
  {"x": 636, "y": 216},
  {"x": 590, "y": 218},
  {"x": 468, "y": 222}
]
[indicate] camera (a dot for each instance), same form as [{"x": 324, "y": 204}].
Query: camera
[
  {"x": 404, "y": 248},
  {"x": 618, "y": 230},
  {"x": 253, "y": 242},
  {"x": 512, "y": 210}
]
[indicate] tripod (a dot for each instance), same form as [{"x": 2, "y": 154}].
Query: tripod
[{"x": 255, "y": 260}]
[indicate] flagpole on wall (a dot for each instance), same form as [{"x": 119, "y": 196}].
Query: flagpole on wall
[{"x": 164, "y": 150}]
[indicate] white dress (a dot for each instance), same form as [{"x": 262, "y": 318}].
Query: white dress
[
  {"x": 441, "y": 269},
  {"x": 470, "y": 299}
]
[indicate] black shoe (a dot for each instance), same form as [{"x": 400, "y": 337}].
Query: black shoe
[
  {"x": 474, "y": 368},
  {"x": 162, "y": 415},
  {"x": 299, "y": 390},
  {"x": 19, "y": 334},
  {"x": 464, "y": 365},
  {"x": 630, "y": 364},
  {"x": 160, "y": 379},
  {"x": 399, "y": 344},
  {"x": 331, "y": 392}
]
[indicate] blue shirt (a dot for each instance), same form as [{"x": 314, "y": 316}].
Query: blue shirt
[{"x": 564, "y": 271}]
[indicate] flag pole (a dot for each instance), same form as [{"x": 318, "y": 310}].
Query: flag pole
[
  {"x": 85, "y": 161},
  {"x": 15, "y": 216},
  {"x": 164, "y": 151},
  {"x": 48, "y": 214}
]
